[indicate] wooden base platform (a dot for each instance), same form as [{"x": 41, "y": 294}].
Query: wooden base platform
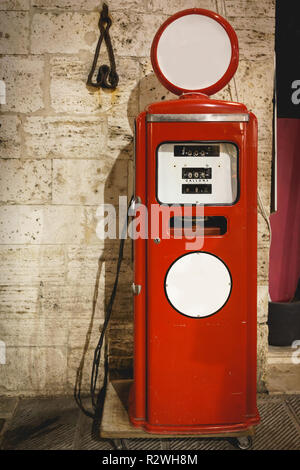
[{"x": 116, "y": 425}]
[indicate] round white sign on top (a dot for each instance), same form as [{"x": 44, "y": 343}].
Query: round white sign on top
[{"x": 195, "y": 51}]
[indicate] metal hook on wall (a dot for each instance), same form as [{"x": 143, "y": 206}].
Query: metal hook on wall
[{"x": 107, "y": 76}]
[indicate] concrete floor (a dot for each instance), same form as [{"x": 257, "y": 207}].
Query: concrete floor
[{"x": 57, "y": 423}]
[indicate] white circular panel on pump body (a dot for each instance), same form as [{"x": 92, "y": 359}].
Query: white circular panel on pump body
[
  {"x": 198, "y": 284},
  {"x": 195, "y": 50}
]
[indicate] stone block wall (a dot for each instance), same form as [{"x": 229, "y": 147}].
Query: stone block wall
[{"x": 65, "y": 149}]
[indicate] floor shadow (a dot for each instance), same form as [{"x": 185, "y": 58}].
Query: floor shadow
[{"x": 22, "y": 433}]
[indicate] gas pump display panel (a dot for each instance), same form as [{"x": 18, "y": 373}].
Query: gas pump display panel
[{"x": 197, "y": 173}]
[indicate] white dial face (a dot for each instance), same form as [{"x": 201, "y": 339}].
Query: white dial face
[
  {"x": 194, "y": 52},
  {"x": 198, "y": 284}
]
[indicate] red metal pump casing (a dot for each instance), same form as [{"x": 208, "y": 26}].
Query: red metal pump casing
[{"x": 196, "y": 375}]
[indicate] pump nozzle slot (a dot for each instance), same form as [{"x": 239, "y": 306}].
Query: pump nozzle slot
[{"x": 200, "y": 226}]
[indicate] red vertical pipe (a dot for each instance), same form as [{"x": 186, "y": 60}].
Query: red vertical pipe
[
  {"x": 250, "y": 176},
  {"x": 140, "y": 277}
]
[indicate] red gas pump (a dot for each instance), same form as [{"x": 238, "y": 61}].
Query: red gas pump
[{"x": 195, "y": 308}]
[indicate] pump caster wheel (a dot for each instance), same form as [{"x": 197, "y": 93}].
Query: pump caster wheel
[
  {"x": 244, "y": 443},
  {"x": 120, "y": 444}
]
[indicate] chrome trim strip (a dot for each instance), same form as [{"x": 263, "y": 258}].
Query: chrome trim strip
[{"x": 198, "y": 117}]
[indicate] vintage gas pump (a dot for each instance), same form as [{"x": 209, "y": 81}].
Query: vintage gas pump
[{"x": 195, "y": 308}]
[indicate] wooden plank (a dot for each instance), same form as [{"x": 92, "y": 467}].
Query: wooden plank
[{"x": 116, "y": 425}]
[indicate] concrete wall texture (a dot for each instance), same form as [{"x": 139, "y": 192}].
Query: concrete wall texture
[{"x": 65, "y": 149}]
